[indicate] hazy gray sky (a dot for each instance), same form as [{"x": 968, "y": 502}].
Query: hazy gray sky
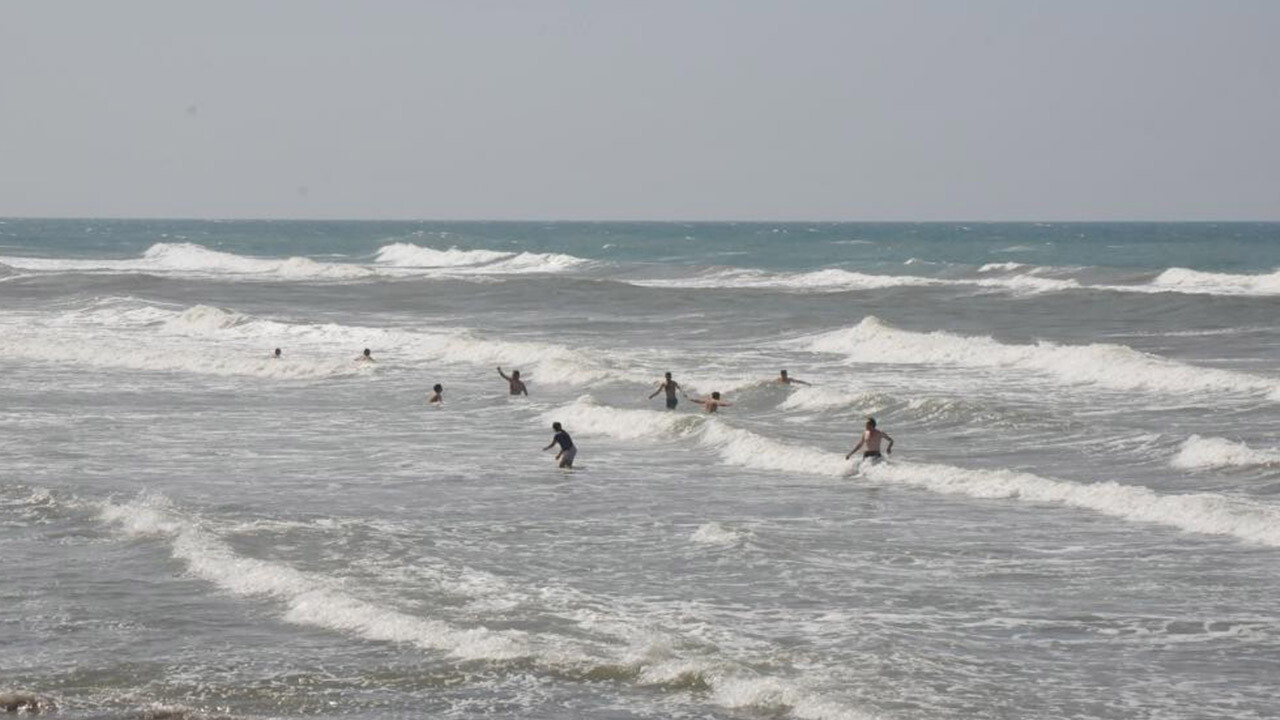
[{"x": 894, "y": 110}]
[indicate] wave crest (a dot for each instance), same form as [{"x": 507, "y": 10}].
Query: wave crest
[
  {"x": 1209, "y": 452},
  {"x": 1116, "y": 367},
  {"x": 1211, "y": 283}
]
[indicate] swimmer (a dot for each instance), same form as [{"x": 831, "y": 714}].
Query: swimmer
[
  {"x": 670, "y": 387},
  {"x": 568, "y": 451},
  {"x": 871, "y": 438},
  {"x": 713, "y": 403},
  {"x": 514, "y": 382},
  {"x": 366, "y": 356},
  {"x": 277, "y": 354},
  {"x": 785, "y": 379},
  {"x": 437, "y": 396}
]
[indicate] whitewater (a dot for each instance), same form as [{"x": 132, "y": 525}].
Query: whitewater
[{"x": 1080, "y": 518}]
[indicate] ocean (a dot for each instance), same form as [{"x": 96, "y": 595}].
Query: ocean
[{"x": 1080, "y": 517}]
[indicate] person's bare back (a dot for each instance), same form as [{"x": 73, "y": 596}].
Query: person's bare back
[{"x": 712, "y": 404}]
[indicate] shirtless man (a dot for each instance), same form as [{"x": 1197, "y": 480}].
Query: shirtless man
[
  {"x": 366, "y": 356},
  {"x": 871, "y": 438},
  {"x": 568, "y": 451},
  {"x": 437, "y": 394},
  {"x": 784, "y": 379},
  {"x": 670, "y": 387},
  {"x": 713, "y": 403},
  {"x": 514, "y": 382}
]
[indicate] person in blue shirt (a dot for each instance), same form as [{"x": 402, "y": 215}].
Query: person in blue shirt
[{"x": 567, "y": 449}]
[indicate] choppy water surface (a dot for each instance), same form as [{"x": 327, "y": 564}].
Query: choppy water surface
[{"x": 1081, "y": 518}]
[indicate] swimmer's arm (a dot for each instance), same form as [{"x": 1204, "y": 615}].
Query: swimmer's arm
[
  {"x": 549, "y": 445},
  {"x": 655, "y": 392},
  {"x": 504, "y": 375},
  {"x": 800, "y": 382},
  {"x": 855, "y": 448},
  {"x": 889, "y": 447}
]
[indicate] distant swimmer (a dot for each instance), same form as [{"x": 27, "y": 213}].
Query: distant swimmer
[
  {"x": 277, "y": 354},
  {"x": 871, "y": 438},
  {"x": 514, "y": 382},
  {"x": 670, "y": 387},
  {"x": 567, "y": 449},
  {"x": 713, "y": 403},
  {"x": 366, "y": 356},
  {"x": 785, "y": 379},
  {"x": 437, "y": 394}
]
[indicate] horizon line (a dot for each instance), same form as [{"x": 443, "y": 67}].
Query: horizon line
[{"x": 625, "y": 221}]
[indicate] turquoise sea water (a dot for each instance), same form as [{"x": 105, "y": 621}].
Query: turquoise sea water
[{"x": 1079, "y": 520}]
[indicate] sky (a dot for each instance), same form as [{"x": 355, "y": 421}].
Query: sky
[{"x": 912, "y": 110}]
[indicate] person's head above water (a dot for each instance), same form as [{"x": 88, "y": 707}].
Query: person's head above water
[
  {"x": 556, "y": 426},
  {"x": 666, "y": 375},
  {"x": 277, "y": 352},
  {"x": 438, "y": 387},
  {"x": 515, "y": 373},
  {"x": 367, "y": 352},
  {"x": 715, "y": 395},
  {"x": 871, "y": 423},
  {"x": 782, "y": 373}
]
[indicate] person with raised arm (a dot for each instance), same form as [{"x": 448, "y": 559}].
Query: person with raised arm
[{"x": 514, "y": 382}]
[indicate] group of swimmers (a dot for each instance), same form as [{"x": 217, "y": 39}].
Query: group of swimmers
[{"x": 870, "y": 442}]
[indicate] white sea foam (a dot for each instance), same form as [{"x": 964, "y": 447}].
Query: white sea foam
[
  {"x": 123, "y": 333},
  {"x": 734, "y": 446},
  {"x": 1110, "y": 366},
  {"x": 189, "y": 259},
  {"x": 322, "y": 601},
  {"x": 309, "y": 599},
  {"x": 407, "y": 255},
  {"x": 1204, "y": 513},
  {"x": 396, "y": 260},
  {"x": 1210, "y": 452},
  {"x": 837, "y": 280},
  {"x": 410, "y": 255},
  {"x": 713, "y": 533},
  {"x": 1211, "y": 283},
  {"x": 992, "y": 267}
]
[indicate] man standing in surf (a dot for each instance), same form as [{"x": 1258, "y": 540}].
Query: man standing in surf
[
  {"x": 568, "y": 451},
  {"x": 670, "y": 387},
  {"x": 871, "y": 438}
]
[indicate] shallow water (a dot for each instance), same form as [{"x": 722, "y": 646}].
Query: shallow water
[{"x": 1081, "y": 518}]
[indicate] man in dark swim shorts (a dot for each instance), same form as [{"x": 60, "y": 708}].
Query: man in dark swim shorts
[
  {"x": 670, "y": 387},
  {"x": 871, "y": 437}
]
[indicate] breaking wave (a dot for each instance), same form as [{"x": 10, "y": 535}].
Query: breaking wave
[
  {"x": 1209, "y": 452},
  {"x": 1210, "y": 283},
  {"x": 397, "y": 260},
  {"x": 1203, "y": 513},
  {"x": 1116, "y": 367},
  {"x": 625, "y": 650},
  {"x": 407, "y": 255},
  {"x": 837, "y": 280},
  {"x": 123, "y": 333}
]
